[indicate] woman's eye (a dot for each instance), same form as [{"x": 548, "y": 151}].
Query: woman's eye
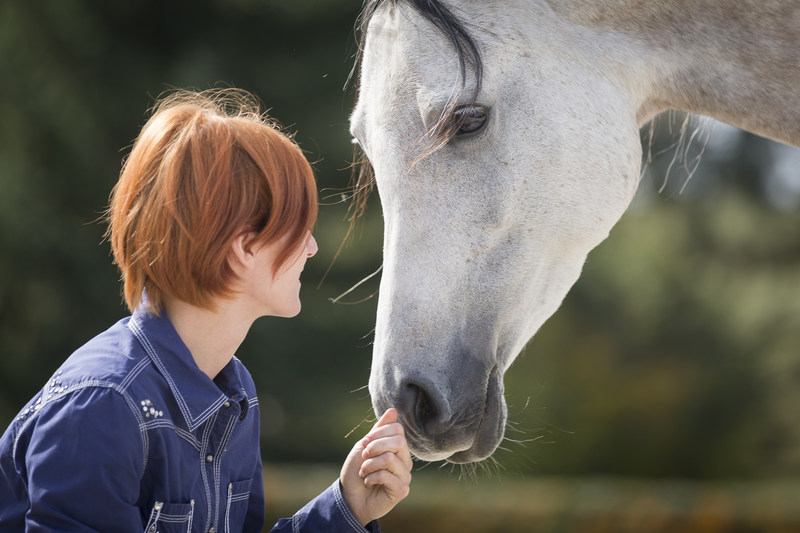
[{"x": 469, "y": 118}]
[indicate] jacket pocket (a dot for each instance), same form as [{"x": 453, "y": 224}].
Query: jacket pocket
[
  {"x": 237, "y": 501},
  {"x": 170, "y": 518}
]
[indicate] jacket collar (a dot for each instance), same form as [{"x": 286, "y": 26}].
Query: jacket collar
[{"x": 197, "y": 396}]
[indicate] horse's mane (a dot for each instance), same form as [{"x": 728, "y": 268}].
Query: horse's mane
[{"x": 455, "y": 31}]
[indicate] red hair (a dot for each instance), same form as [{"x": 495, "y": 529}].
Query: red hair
[{"x": 206, "y": 167}]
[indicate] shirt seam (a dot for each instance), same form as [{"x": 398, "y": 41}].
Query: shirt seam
[
  {"x": 218, "y": 463},
  {"x": 93, "y": 383},
  {"x": 206, "y": 437},
  {"x": 180, "y": 432}
]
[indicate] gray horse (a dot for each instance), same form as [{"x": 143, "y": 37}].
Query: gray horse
[{"x": 504, "y": 138}]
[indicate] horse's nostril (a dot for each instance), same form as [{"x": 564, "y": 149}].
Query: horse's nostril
[{"x": 420, "y": 407}]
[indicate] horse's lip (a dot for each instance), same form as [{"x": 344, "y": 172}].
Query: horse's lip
[
  {"x": 486, "y": 432},
  {"x": 488, "y": 436}
]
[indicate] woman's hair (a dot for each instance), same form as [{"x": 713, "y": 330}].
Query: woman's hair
[{"x": 207, "y": 167}]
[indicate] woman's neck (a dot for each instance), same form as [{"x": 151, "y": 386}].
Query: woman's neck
[{"x": 211, "y": 336}]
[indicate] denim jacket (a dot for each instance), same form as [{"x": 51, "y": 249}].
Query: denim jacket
[{"x": 130, "y": 435}]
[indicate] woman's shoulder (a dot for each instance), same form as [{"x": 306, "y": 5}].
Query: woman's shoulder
[
  {"x": 111, "y": 359},
  {"x": 99, "y": 373}
]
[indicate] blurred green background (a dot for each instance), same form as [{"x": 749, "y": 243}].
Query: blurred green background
[{"x": 667, "y": 387}]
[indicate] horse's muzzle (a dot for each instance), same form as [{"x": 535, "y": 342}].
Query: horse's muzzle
[{"x": 461, "y": 423}]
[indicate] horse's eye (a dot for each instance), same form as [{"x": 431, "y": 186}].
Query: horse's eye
[{"x": 469, "y": 118}]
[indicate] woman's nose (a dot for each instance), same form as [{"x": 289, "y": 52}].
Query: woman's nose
[{"x": 311, "y": 245}]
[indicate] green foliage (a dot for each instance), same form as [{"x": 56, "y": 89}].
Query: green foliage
[{"x": 676, "y": 354}]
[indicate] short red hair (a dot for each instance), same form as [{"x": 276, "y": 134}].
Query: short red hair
[{"x": 205, "y": 168}]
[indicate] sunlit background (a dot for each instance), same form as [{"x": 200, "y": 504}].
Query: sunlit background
[{"x": 663, "y": 395}]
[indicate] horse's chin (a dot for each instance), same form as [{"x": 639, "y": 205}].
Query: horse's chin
[{"x": 488, "y": 433}]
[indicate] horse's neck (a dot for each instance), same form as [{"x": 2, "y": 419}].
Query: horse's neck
[{"x": 735, "y": 60}]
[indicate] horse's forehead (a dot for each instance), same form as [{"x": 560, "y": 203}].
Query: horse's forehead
[
  {"x": 400, "y": 39},
  {"x": 402, "y": 54},
  {"x": 404, "y": 50}
]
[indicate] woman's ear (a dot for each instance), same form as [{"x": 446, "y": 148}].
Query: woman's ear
[{"x": 242, "y": 251}]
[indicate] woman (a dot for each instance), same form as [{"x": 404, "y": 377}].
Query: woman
[{"x": 154, "y": 424}]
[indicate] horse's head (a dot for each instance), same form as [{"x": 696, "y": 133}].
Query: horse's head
[{"x": 491, "y": 200}]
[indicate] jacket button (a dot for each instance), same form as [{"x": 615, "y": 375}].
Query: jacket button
[
  {"x": 209, "y": 458},
  {"x": 226, "y": 404}
]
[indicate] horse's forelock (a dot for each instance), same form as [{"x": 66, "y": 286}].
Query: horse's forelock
[
  {"x": 443, "y": 19},
  {"x": 438, "y": 14}
]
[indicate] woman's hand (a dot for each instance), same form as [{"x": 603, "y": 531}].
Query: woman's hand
[{"x": 377, "y": 472}]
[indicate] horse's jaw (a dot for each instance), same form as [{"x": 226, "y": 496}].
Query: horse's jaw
[{"x": 440, "y": 355}]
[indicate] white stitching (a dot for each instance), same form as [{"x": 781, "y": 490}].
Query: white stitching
[
  {"x": 218, "y": 463},
  {"x": 138, "y": 332},
  {"x": 193, "y": 423},
  {"x": 228, "y": 509},
  {"x": 204, "y": 447},
  {"x": 134, "y": 372},
  {"x": 191, "y": 517},
  {"x": 155, "y": 513},
  {"x": 342, "y": 505},
  {"x": 80, "y": 386}
]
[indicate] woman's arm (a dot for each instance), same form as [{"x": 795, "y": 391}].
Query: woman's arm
[{"x": 81, "y": 458}]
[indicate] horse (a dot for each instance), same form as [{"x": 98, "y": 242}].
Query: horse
[{"x": 505, "y": 143}]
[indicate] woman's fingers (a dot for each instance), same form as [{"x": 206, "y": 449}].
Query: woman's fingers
[
  {"x": 377, "y": 473},
  {"x": 396, "y": 488},
  {"x": 387, "y": 461},
  {"x": 395, "y": 444},
  {"x": 388, "y": 417},
  {"x": 387, "y": 430}
]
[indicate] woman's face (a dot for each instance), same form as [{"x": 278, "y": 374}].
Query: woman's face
[{"x": 277, "y": 293}]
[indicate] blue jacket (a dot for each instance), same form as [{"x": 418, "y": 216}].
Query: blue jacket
[{"x": 130, "y": 435}]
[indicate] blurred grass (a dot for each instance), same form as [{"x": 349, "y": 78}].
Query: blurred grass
[{"x": 440, "y": 501}]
